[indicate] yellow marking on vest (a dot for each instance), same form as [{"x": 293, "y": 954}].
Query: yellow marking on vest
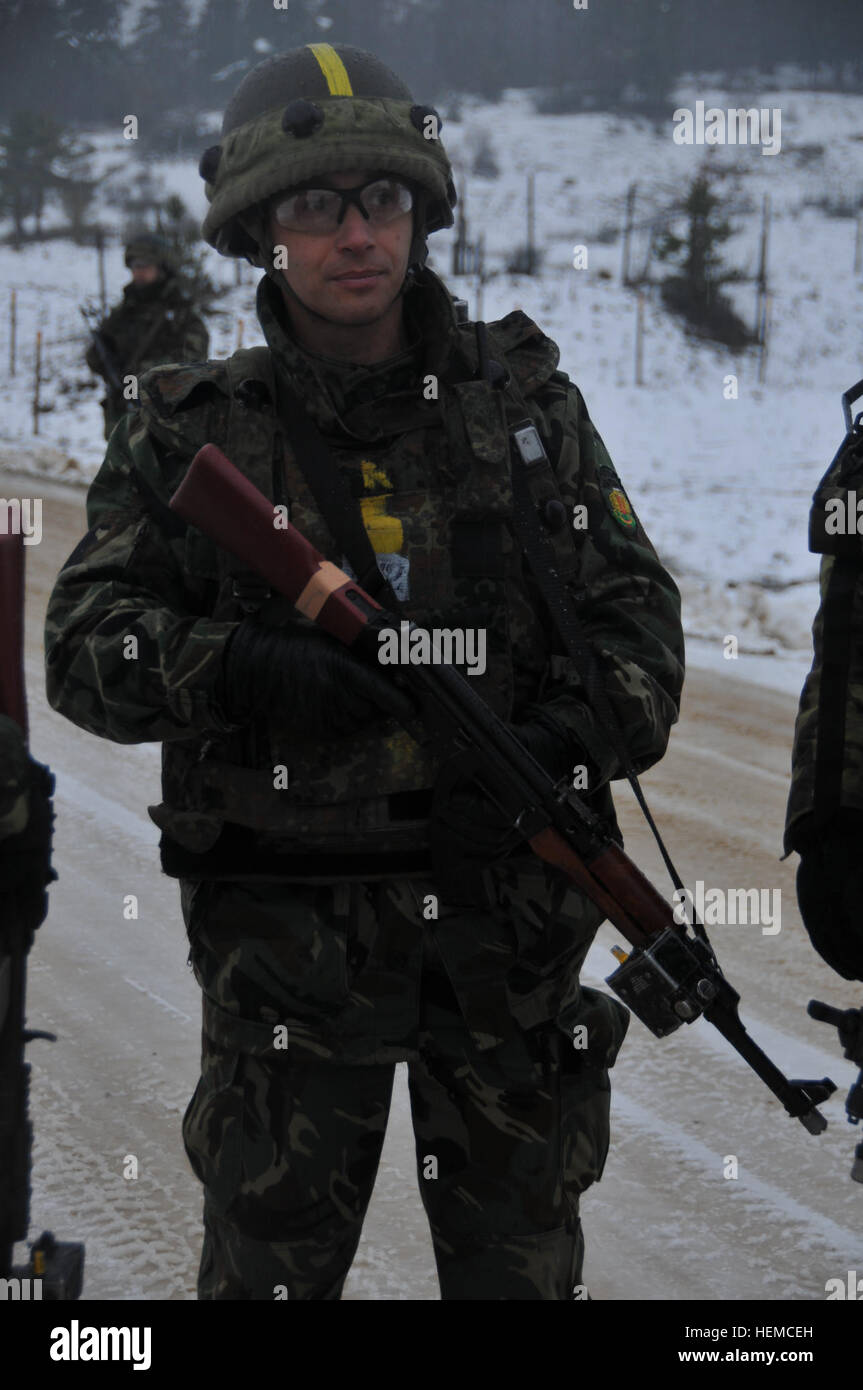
[
  {"x": 333, "y": 69},
  {"x": 374, "y": 475},
  {"x": 385, "y": 532}
]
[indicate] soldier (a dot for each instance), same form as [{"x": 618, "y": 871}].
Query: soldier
[
  {"x": 824, "y": 819},
  {"x": 155, "y": 323},
  {"x": 357, "y": 917}
]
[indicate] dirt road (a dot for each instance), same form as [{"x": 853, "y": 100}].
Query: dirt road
[{"x": 664, "y": 1223}]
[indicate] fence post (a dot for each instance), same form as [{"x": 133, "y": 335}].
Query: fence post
[
  {"x": 762, "y": 266},
  {"x": 764, "y": 335},
  {"x": 639, "y": 340},
  {"x": 13, "y": 330},
  {"x": 36, "y": 381},
  {"x": 627, "y": 231},
  {"x": 100, "y": 253}
]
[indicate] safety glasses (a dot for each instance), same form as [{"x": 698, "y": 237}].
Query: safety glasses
[{"x": 320, "y": 210}]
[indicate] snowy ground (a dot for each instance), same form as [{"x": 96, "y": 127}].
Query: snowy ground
[{"x": 665, "y": 1223}]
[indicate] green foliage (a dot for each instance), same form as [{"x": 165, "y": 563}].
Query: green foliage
[
  {"x": 38, "y": 161},
  {"x": 695, "y": 292},
  {"x": 173, "y": 220},
  {"x": 525, "y": 260}
]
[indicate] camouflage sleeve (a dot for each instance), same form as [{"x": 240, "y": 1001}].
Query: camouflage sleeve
[
  {"x": 832, "y": 699},
  {"x": 627, "y": 603},
  {"x": 14, "y": 779},
  {"x": 125, "y": 581}
]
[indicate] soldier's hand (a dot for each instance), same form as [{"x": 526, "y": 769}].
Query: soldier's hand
[
  {"x": 468, "y": 832},
  {"x": 309, "y": 678},
  {"x": 546, "y": 739},
  {"x": 830, "y": 894}
]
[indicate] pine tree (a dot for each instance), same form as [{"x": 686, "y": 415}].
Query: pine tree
[
  {"x": 696, "y": 290},
  {"x": 90, "y": 76},
  {"x": 29, "y": 51},
  {"x": 174, "y": 221},
  {"x": 29, "y": 146},
  {"x": 74, "y": 183},
  {"x": 162, "y": 57}
]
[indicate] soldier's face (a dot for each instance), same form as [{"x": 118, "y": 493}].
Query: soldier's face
[
  {"x": 351, "y": 275},
  {"x": 145, "y": 273}
]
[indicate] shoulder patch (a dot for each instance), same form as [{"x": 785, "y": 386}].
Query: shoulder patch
[{"x": 618, "y": 504}]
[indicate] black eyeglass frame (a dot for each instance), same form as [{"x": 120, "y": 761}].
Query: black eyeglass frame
[{"x": 350, "y": 197}]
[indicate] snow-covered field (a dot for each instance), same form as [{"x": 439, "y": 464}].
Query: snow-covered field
[{"x": 722, "y": 485}]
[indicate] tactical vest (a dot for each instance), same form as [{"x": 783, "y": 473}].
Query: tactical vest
[{"x": 437, "y": 492}]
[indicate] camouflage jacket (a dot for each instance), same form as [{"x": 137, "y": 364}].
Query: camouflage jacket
[
  {"x": 827, "y": 758},
  {"x": 152, "y": 325},
  {"x": 828, "y": 734},
  {"x": 423, "y": 447}
]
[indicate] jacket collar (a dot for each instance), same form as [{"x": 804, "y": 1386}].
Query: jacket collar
[{"x": 364, "y": 401}]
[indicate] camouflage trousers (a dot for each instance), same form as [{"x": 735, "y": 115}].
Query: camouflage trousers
[{"x": 311, "y": 995}]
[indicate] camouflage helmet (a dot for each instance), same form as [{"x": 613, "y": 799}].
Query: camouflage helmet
[
  {"x": 150, "y": 246},
  {"x": 317, "y": 110}
]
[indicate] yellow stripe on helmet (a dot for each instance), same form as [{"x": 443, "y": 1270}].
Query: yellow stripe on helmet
[{"x": 333, "y": 69}]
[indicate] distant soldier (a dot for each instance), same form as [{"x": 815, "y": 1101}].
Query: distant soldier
[{"x": 155, "y": 324}]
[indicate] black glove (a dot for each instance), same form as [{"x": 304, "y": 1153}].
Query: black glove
[
  {"x": 468, "y": 832},
  {"x": 830, "y": 893},
  {"x": 547, "y": 740},
  {"x": 310, "y": 678}
]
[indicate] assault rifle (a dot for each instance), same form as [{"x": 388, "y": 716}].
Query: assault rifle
[
  {"x": 54, "y": 1269},
  {"x": 671, "y": 976},
  {"x": 849, "y": 1023},
  {"x": 110, "y": 368}
]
